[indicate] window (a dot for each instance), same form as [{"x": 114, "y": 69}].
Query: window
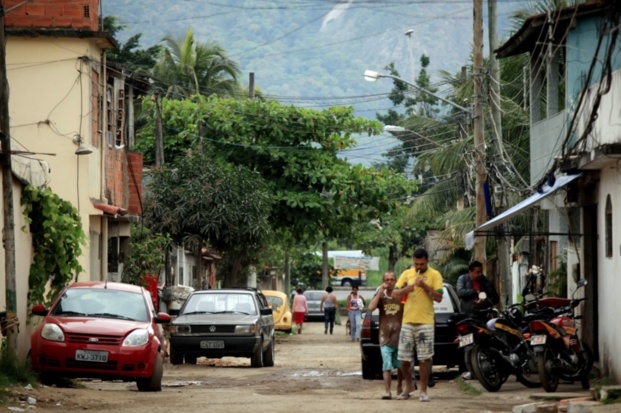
[{"x": 608, "y": 228}]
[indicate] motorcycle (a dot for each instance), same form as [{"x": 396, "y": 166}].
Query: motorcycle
[
  {"x": 560, "y": 352},
  {"x": 507, "y": 352},
  {"x": 499, "y": 349}
]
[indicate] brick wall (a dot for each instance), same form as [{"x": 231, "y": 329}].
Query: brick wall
[
  {"x": 65, "y": 14},
  {"x": 116, "y": 177},
  {"x": 135, "y": 183}
]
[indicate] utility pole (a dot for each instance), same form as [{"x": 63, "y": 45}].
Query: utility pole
[
  {"x": 504, "y": 263},
  {"x": 479, "y": 141},
  {"x": 159, "y": 132},
  {"x": 8, "y": 231},
  {"x": 251, "y": 85}
]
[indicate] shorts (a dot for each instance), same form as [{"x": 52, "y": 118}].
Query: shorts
[
  {"x": 389, "y": 358},
  {"x": 416, "y": 339},
  {"x": 298, "y": 317}
]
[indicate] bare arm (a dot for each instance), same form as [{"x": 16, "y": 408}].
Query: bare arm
[{"x": 376, "y": 298}]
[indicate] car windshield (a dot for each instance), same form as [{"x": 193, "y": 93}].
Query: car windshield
[
  {"x": 103, "y": 303},
  {"x": 219, "y": 303},
  {"x": 274, "y": 302}
]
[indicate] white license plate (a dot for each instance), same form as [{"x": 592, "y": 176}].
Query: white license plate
[
  {"x": 89, "y": 355},
  {"x": 538, "y": 340},
  {"x": 466, "y": 340},
  {"x": 212, "y": 344}
]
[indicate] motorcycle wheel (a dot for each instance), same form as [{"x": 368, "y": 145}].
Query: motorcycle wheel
[
  {"x": 487, "y": 368},
  {"x": 586, "y": 364},
  {"x": 549, "y": 378}
]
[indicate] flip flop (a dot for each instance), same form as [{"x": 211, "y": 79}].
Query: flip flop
[
  {"x": 386, "y": 396},
  {"x": 403, "y": 396}
]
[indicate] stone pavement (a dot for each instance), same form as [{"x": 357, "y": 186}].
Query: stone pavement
[{"x": 574, "y": 402}]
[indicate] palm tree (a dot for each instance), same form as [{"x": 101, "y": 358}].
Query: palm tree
[{"x": 186, "y": 68}]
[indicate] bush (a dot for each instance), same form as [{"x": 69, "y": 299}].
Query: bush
[{"x": 12, "y": 372}]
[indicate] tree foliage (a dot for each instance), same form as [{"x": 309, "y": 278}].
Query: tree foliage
[
  {"x": 186, "y": 68},
  {"x": 146, "y": 255},
  {"x": 128, "y": 54},
  {"x": 202, "y": 200},
  {"x": 295, "y": 151}
]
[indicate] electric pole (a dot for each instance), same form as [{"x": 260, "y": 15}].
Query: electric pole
[
  {"x": 504, "y": 263},
  {"x": 479, "y": 142},
  {"x": 8, "y": 232}
]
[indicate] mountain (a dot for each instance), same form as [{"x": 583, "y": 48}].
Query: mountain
[{"x": 314, "y": 52}]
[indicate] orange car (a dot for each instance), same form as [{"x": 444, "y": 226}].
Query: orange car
[{"x": 280, "y": 310}]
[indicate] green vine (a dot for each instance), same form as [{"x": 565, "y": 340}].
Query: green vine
[{"x": 57, "y": 237}]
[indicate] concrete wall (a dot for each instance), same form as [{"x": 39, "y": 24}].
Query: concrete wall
[
  {"x": 23, "y": 258},
  {"x": 546, "y": 138},
  {"x": 609, "y": 283},
  {"x": 50, "y": 103}
]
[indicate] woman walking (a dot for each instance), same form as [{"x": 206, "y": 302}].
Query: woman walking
[
  {"x": 355, "y": 303},
  {"x": 300, "y": 309},
  {"x": 329, "y": 305}
]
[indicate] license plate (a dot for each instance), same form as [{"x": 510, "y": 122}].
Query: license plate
[
  {"x": 93, "y": 356},
  {"x": 212, "y": 344},
  {"x": 537, "y": 340},
  {"x": 466, "y": 340}
]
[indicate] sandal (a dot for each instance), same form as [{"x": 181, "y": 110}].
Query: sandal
[{"x": 403, "y": 396}]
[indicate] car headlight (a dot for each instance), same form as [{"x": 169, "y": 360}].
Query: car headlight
[
  {"x": 180, "y": 329},
  {"x": 52, "y": 332},
  {"x": 246, "y": 329},
  {"x": 136, "y": 338}
]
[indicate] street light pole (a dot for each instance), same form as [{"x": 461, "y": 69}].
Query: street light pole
[{"x": 372, "y": 76}]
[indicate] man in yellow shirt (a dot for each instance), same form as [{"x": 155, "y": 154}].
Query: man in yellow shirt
[{"x": 419, "y": 286}]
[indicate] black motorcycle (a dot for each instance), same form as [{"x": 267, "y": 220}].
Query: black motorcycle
[{"x": 501, "y": 348}]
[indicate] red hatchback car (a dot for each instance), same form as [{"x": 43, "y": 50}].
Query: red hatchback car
[{"x": 101, "y": 330}]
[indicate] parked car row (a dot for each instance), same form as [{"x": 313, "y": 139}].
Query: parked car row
[{"x": 111, "y": 331}]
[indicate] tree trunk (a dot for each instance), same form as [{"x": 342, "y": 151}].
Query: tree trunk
[{"x": 392, "y": 258}]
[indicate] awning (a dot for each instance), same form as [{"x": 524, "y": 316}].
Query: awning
[
  {"x": 111, "y": 209},
  {"x": 546, "y": 191}
]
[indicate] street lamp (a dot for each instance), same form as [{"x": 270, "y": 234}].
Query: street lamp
[
  {"x": 396, "y": 129},
  {"x": 372, "y": 76}
]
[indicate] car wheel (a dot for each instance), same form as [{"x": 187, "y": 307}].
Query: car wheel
[
  {"x": 175, "y": 356},
  {"x": 257, "y": 358},
  {"x": 154, "y": 383},
  {"x": 268, "y": 355},
  {"x": 368, "y": 373},
  {"x": 190, "y": 359},
  {"x": 346, "y": 283},
  {"x": 288, "y": 331}
]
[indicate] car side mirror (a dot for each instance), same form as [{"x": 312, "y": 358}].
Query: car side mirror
[
  {"x": 162, "y": 318},
  {"x": 266, "y": 311},
  {"x": 39, "y": 309}
]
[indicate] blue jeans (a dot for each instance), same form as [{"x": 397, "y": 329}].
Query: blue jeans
[
  {"x": 329, "y": 314},
  {"x": 355, "y": 321}
]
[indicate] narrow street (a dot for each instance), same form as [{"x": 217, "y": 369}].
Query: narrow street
[{"x": 313, "y": 373}]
